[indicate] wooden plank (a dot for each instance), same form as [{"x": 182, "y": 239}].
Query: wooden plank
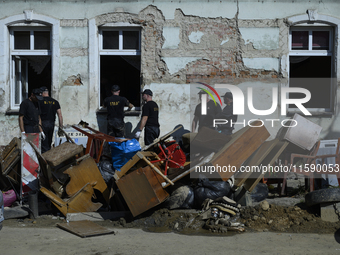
[
  {"x": 255, "y": 160},
  {"x": 61, "y": 153},
  {"x": 86, "y": 172},
  {"x": 239, "y": 148},
  {"x": 135, "y": 159},
  {"x": 269, "y": 160},
  {"x": 85, "y": 228}
]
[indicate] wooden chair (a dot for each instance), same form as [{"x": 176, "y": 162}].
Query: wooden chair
[{"x": 309, "y": 162}]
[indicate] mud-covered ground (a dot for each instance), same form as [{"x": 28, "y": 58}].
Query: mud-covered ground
[
  {"x": 276, "y": 214},
  {"x": 289, "y": 219}
]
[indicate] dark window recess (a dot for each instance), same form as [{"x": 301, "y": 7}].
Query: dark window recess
[
  {"x": 320, "y": 40},
  {"x": 130, "y": 40},
  {"x": 41, "y": 40},
  {"x": 21, "y": 40},
  {"x": 299, "y": 40},
  {"x": 312, "y": 73},
  {"x": 123, "y": 71},
  {"x": 111, "y": 40}
]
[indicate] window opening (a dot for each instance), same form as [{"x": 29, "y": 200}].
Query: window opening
[
  {"x": 311, "y": 64},
  {"x": 31, "y": 61},
  {"x": 120, "y": 63}
]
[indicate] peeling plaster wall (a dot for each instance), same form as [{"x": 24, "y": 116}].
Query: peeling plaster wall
[
  {"x": 262, "y": 63},
  {"x": 74, "y": 37},
  {"x": 261, "y": 38},
  {"x": 244, "y": 43},
  {"x": 171, "y": 37}
]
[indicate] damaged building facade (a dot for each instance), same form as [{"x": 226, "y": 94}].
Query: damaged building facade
[{"x": 79, "y": 49}]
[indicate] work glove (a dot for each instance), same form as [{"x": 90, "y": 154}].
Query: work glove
[
  {"x": 137, "y": 135},
  {"x": 60, "y": 132},
  {"x": 43, "y": 136}
]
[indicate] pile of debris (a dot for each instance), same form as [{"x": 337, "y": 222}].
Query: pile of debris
[{"x": 178, "y": 170}]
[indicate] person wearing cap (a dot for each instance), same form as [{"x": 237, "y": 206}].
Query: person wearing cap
[
  {"x": 115, "y": 112},
  {"x": 149, "y": 121},
  {"x": 205, "y": 120},
  {"x": 49, "y": 108},
  {"x": 227, "y": 114},
  {"x": 29, "y": 114}
]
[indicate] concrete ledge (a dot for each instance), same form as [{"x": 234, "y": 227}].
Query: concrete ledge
[{"x": 97, "y": 216}]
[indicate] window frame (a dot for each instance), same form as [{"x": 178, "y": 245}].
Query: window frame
[
  {"x": 31, "y": 51},
  {"x": 117, "y": 52},
  {"x": 21, "y": 53},
  {"x": 310, "y": 52}
]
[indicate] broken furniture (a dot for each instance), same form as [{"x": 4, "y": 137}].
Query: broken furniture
[
  {"x": 96, "y": 142},
  {"x": 86, "y": 172},
  {"x": 69, "y": 180},
  {"x": 10, "y": 168},
  {"x": 54, "y": 162},
  {"x": 242, "y": 144},
  {"x": 304, "y": 134},
  {"x": 141, "y": 158},
  {"x": 271, "y": 152},
  {"x": 142, "y": 189},
  {"x": 306, "y": 167},
  {"x": 79, "y": 202},
  {"x": 171, "y": 155},
  {"x": 305, "y": 159}
]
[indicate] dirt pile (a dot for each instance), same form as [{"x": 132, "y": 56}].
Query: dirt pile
[{"x": 295, "y": 219}]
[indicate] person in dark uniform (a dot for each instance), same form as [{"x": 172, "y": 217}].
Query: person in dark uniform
[
  {"x": 149, "y": 119},
  {"x": 227, "y": 114},
  {"x": 115, "y": 112},
  {"x": 29, "y": 114},
  {"x": 205, "y": 120},
  {"x": 49, "y": 108}
]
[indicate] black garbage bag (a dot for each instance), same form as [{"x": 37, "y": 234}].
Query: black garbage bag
[
  {"x": 210, "y": 189},
  {"x": 106, "y": 169},
  {"x": 259, "y": 193},
  {"x": 181, "y": 197}
]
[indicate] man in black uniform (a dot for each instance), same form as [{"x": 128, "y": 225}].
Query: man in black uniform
[
  {"x": 29, "y": 114},
  {"x": 115, "y": 112},
  {"x": 149, "y": 119},
  {"x": 49, "y": 108},
  {"x": 205, "y": 120},
  {"x": 227, "y": 114}
]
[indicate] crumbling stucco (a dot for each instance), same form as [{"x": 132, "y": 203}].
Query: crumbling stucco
[{"x": 73, "y": 80}]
